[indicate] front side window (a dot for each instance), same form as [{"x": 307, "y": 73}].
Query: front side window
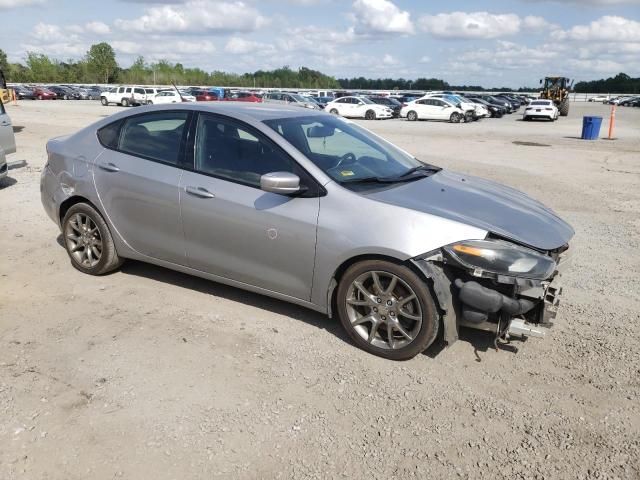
[
  {"x": 227, "y": 149},
  {"x": 156, "y": 136},
  {"x": 342, "y": 149}
]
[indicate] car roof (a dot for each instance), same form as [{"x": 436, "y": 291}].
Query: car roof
[{"x": 254, "y": 111}]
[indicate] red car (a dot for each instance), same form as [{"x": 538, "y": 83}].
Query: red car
[
  {"x": 42, "y": 93},
  {"x": 204, "y": 96},
  {"x": 243, "y": 97}
]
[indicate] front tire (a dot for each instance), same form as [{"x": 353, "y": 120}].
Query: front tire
[
  {"x": 387, "y": 310},
  {"x": 564, "y": 108},
  {"x": 370, "y": 115},
  {"x": 104, "y": 101},
  {"x": 455, "y": 117},
  {"x": 88, "y": 241}
]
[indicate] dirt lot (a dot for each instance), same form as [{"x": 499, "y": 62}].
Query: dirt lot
[{"x": 151, "y": 374}]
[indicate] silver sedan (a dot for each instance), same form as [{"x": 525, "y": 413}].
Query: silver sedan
[{"x": 312, "y": 209}]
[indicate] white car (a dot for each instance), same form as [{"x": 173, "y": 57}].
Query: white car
[
  {"x": 7, "y": 140},
  {"x": 599, "y": 98},
  {"x": 432, "y": 109},
  {"x": 358, "y": 107},
  {"x": 541, "y": 109},
  {"x": 471, "y": 109},
  {"x": 171, "y": 96}
]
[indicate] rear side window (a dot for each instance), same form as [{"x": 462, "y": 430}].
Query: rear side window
[
  {"x": 139, "y": 90},
  {"x": 108, "y": 135},
  {"x": 156, "y": 136}
]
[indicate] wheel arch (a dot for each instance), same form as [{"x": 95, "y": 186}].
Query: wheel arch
[{"x": 74, "y": 200}]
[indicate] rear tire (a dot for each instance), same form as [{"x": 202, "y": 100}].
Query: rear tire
[
  {"x": 334, "y": 111},
  {"x": 412, "y": 116},
  {"x": 88, "y": 241},
  {"x": 395, "y": 322}
]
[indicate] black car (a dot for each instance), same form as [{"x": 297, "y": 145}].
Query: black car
[
  {"x": 23, "y": 93},
  {"x": 64, "y": 92},
  {"x": 503, "y": 104},
  {"x": 495, "y": 110},
  {"x": 392, "y": 103},
  {"x": 629, "y": 102}
]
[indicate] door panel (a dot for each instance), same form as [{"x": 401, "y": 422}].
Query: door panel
[
  {"x": 141, "y": 199},
  {"x": 248, "y": 235},
  {"x": 234, "y": 229}
]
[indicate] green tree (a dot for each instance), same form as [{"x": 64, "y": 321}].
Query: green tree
[
  {"x": 101, "y": 62},
  {"x": 4, "y": 64}
]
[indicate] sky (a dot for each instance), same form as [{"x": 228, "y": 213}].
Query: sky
[{"x": 474, "y": 42}]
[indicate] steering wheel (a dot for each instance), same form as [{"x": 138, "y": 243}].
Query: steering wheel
[{"x": 346, "y": 158}]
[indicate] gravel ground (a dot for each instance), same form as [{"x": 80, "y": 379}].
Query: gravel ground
[{"x": 151, "y": 374}]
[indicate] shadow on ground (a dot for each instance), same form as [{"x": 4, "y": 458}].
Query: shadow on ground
[
  {"x": 7, "y": 182},
  {"x": 479, "y": 340},
  {"x": 17, "y": 128}
]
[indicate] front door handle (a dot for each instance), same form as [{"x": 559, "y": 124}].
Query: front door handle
[
  {"x": 200, "y": 192},
  {"x": 109, "y": 167}
]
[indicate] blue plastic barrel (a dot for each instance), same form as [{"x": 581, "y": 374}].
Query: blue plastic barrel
[{"x": 591, "y": 128}]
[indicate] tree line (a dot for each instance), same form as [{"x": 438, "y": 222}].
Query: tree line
[
  {"x": 99, "y": 65},
  {"x": 621, "y": 83}
]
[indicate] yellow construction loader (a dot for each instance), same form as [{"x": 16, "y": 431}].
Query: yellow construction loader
[
  {"x": 557, "y": 89},
  {"x": 5, "y": 94}
]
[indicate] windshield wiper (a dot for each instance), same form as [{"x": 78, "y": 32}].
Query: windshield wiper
[{"x": 409, "y": 174}]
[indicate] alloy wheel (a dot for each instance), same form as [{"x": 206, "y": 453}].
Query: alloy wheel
[
  {"x": 384, "y": 310},
  {"x": 83, "y": 240}
]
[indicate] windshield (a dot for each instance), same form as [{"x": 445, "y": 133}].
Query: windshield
[
  {"x": 299, "y": 98},
  {"x": 343, "y": 150}
]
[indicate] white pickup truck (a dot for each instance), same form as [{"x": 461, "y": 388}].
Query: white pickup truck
[{"x": 126, "y": 96}]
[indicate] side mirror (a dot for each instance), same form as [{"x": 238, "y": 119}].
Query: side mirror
[{"x": 283, "y": 183}]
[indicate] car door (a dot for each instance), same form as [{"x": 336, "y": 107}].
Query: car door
[
  {"x": 137, "y": 179},
  {"x": 7, "y": 138},
  {"x": 235, "y": 230}
]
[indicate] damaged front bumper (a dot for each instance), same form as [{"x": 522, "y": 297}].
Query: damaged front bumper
[{"x": 505, "y": 305}]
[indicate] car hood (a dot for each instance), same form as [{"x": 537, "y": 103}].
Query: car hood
[{"x": 482, "y": 204}]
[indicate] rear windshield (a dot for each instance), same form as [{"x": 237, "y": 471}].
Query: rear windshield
[{"x": 544, "y": 104}]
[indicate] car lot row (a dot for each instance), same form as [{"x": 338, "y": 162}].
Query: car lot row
[{"x": 441, "y": 105}]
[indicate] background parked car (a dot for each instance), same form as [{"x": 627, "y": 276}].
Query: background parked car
[
  {"x": 65, "y": 93},
  {"x": 24, "y": 93},
  {"x": 358, "y": 107},
  {"x": 243, "y": 97},
  {"x": 322, "y": 101},
  {"x": 43, "y": 93},
  {"x": 7, "y": 140},
  {"x": 94, "y": 93},
  {"x": 599, "y": 98},
  {"x": 433, "y": 108},
  {"x": 392, "y": 103},
  {"x": 171, "y": 96},
  {"x": 204, "y": 95},
  {"x": 541, "y": 109},
  {"x": 290, "y": 99}
]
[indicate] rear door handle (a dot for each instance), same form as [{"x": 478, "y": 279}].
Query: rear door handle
[
  {"x": 200, "y": 192},
  {"x": 109, "y": 167}
]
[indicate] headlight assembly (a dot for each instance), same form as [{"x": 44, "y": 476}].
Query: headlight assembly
[{"x": 500, "y": 258}]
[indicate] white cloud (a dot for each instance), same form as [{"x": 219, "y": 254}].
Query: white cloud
[
  {"x": 18, "y": 3},
  {"x": 172, "y": 49},
  {"x": 536, "y": 24},
  {"x": 241, "y": 46},
  {"x": 388, "y": 59},
  {"x": 381, "y": 16},
  {"x": 98, "y": 28},
  {"x": 601, "y": 3},
  {"x": 196, "y": 16},
  {"x": 48, "y": 33},
  {"x": 470, "y": 25},
  {"x": 605, "y": 29}
]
